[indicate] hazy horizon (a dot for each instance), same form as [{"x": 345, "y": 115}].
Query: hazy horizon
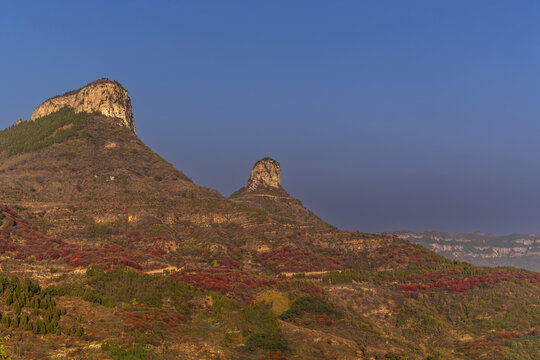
[{"x": 383, "y": 117}]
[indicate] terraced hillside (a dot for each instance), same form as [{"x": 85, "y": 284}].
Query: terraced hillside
[{"x": 109, "y": 252}]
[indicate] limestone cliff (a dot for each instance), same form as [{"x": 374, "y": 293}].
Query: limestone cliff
[
  {"x": 104, "y": 96},
  {"x": 264, "y": 175}
]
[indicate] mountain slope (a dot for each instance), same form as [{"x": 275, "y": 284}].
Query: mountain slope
[{"x": 127, "y": 258}]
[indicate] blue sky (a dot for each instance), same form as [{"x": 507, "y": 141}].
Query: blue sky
[{"x": 384, "y": 115}]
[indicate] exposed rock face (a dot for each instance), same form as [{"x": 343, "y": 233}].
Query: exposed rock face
[
  {"x": 104, "y": 96},
  {"x": 264, "y": 175}
]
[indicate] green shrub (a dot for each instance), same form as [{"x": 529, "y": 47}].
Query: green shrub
[
  {"x": 120, "y": 353},
  {"x": 221, "y": 302},
  {"x": 261, "y": 328},
  {"x": 265, "y": 342},
  {"x": 418, "y": 320},
  {"x": 306, "y": 304}
]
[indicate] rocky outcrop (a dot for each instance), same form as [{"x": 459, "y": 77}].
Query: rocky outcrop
[
  {"x": 104, "y": 96},
  {"x": 264, "y": 175},
  {"x": 264, "y": 192}
]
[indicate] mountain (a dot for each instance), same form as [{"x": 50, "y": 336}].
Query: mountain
[
  {"x": 264, "y": 191},
  {"x": 519, "y": 250},
  {"x": 109, "y": 252}
]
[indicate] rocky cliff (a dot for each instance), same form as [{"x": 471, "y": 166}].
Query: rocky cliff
[{"x": 103, "y": 96}]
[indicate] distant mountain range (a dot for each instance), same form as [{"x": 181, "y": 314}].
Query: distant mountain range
[{"x": 519, "y": 250}]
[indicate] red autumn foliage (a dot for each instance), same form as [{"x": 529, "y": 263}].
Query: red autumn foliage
[
  {"x": 454, "y": 281},
  {"x": 405, "y": 253},
  {"x": 289, "y": 259},
  {"x": 229, "y": 262},
  {"x": 23, "y": 239},
  {"x": 221, "y": 279},
  {"x": 322, "y": 319},
  {"x": 493, "y": 341}
]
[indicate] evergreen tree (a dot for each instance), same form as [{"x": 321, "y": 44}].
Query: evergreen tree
[
  {"x": 42, "y": 328},
  {"x": 80, "y": 331},
  {"x": 49, "y": 327},
  {"x": 9, "y": 298},
  {"x": 24, "y": 321},
  {"x": 15, "y": 283}
]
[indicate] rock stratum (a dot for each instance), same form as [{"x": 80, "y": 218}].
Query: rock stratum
[{"x": 103, "y": 96}]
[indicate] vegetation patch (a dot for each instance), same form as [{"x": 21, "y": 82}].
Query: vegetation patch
[
  {"x": 289, "y": 259},
  {"x": 261, "y": 328},
  {"x": 30, "y": 136},
  {"x": 279, "y": 302},
  {"x": 44, "y": 316},
  {"x": 221, "y": 279},
  {"x": 121, "y": 353},
  {"x": 306, "y": 304},
  {"x": 346, "y": 276}
]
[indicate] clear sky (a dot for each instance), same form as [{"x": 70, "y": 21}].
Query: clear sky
[{"x": 384, "y": 115}]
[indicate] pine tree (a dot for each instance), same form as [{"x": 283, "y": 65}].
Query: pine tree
[
  {"x": 39, "y": 327},
  {"x": 49, "y": 327},
  {"x": 24, "y": 321},
  {"x": 9, "y": 298}
]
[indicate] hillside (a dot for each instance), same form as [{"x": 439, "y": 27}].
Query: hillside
[
  {"x": 518, "y": 250},
  {"x": 109, "y": 252}
]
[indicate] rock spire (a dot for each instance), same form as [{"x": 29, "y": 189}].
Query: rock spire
[{"x": 265, "y": 175}]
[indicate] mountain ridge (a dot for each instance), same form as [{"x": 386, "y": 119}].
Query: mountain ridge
[{"x": 519, "y": 250}]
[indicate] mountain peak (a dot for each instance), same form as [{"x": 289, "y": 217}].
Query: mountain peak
[
  {"x": 264, "y": 175},
  {"x": 104, "y": 96}
]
